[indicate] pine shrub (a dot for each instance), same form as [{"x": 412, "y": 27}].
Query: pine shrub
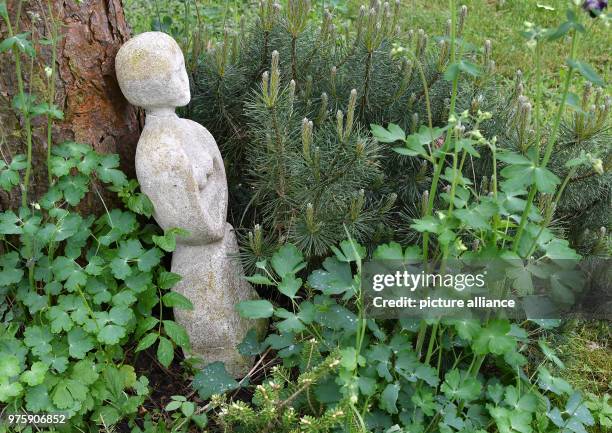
[{"x": 290, "y": 101}]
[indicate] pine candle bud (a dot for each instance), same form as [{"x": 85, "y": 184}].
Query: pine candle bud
[
  {"x": 308, "y": 90},
  {"x": 372, "y": 20},
  {"x": 396, "y": 10},
  {"x": 414, "y": 126},
  {"x": 447, "y": 29},
  {"x": 474, "y": 106},
  {"x": 334, "y": 71},
  {"x": 291, "y": 96},
  {"x": 306, "y": 138},
  {"x": 360, "y": 22},
  {"x": 491, "y": 67},
  {"x": 256, "y": 240},
  {"x": 310, "y": 218},
  {"x": 597, "y": 165},
  {"x": 442, "y": 49},
  {"x": 411, "y": 100},
  {"x": 487, "y": 51},
  {"x": 350, "y": 114},
  {"x": 339, "y": 123},
  {"x": 421, "y": 42},
  {"x": 386, "y": 18},
  {"x": 323, "y": 109},
  {"x": 409, "y": 37},
  {"x": 462, "y": 17},
  {"x": 265, "y": 82},
  {"x": 274, "y": 78},
  {"x": 598, "y": 95},
  {"x": 586, "y": 94},
  {"x": 326, "y": 24}
]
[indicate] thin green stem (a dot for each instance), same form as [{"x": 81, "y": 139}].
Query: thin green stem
[{"x": 550, "y": 144}]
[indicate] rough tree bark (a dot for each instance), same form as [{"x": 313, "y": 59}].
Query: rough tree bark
[{"x": 95, "y": 111}]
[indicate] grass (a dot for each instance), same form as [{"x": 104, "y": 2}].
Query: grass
[
  {"x": 500, "y": 21},
  {"x": 586, "y": 349}
]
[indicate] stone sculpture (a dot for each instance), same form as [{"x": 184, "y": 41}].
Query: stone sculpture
[{"x": 179, "y": 166}]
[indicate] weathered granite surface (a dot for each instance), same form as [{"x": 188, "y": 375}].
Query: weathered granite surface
[{"x": 179, "y": 166}]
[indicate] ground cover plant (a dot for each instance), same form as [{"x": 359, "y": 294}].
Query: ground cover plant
[
  {"x": 79, "y": 295},
  {"x": 342, "y": 145}
]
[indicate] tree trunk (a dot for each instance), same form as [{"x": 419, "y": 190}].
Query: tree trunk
[{"x": 95, "y": 111}]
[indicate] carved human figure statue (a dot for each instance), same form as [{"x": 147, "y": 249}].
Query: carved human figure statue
[{"x": 179, "y": 166}]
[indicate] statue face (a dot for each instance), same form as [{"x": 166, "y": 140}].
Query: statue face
[{"x": 151, "y": 71}]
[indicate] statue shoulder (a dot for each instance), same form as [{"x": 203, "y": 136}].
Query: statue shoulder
[
  {"x": 156, "y": 134},
  {"x": 199, "y": 129}
]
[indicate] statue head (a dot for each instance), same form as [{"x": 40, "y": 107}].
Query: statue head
[{"x": 151, "y": 71}]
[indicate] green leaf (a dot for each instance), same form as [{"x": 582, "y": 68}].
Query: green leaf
[
  {"x": 550, "y": 353},
  {"x": 139, "y": 282},
  {"x": 350, "y": 251},
  {"x": 526, "y": 403},
  {"x": 3, "y": 11},
  {"x": 9, "y": 390},
  {"x": 173, "y": 405},
  {"x": 111, "y": 334},
  {"x": 259, "y": 309},
  {"x": 390, "y": 251},
  {"x": 391, "y": 134},
  {"x": 95, "y": 265},
  {"x": 36, "y": 374},
  {"x": 60, "y": 320},
  {"x": 167, "y": 242},
  {"x": 260, "y": 279},
  {"x": 292, "y": 322},
  {"x": 467, "y": 328},
  {"x": 149, "y": 260},
  {"x": 85, "y": 372},
  {"x": 334, "y": 279},
  {"x": 494, "y": 338},
  {"x": 548, "y": 382},
  {"x": 74, "y": 188},
  {"x": 120, "y": 268},
  {"x": 165, "y": 352},
  {"x": 8, "y": 179},
  {"x": 38, "y": 339},
  {"x": 545, "y": 180},
  {"x": 287, "y": 260},
  {"x": 68, "y": 392},
  {"x": 9, "y": 366},
  {"x": 19, "y": 42},
  {"x": 177, "y": 333},
  {"x": 290, "y": 285},
  {"x": 459, "y": 388},
  {"x": 426, "y": 224},
  {"x": 9, "y": 223},
  {"x": 79, "y": 343},
  {"x": 586, "y": 71},
  {"x": 452, "y": 71},
  {"x": 388, "y": 398},
  {"x": 37, "y": 399},
  {"x": 146, "y": 342},
  {"x": 175, "y": 299},
  {"x": 213, "y": 379},
  {"x": 250, "y": 346},
  {"x": 108, "y": 173},
  {"x": 350, "y": 360},
  {"x": 167, "y": 280}
]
